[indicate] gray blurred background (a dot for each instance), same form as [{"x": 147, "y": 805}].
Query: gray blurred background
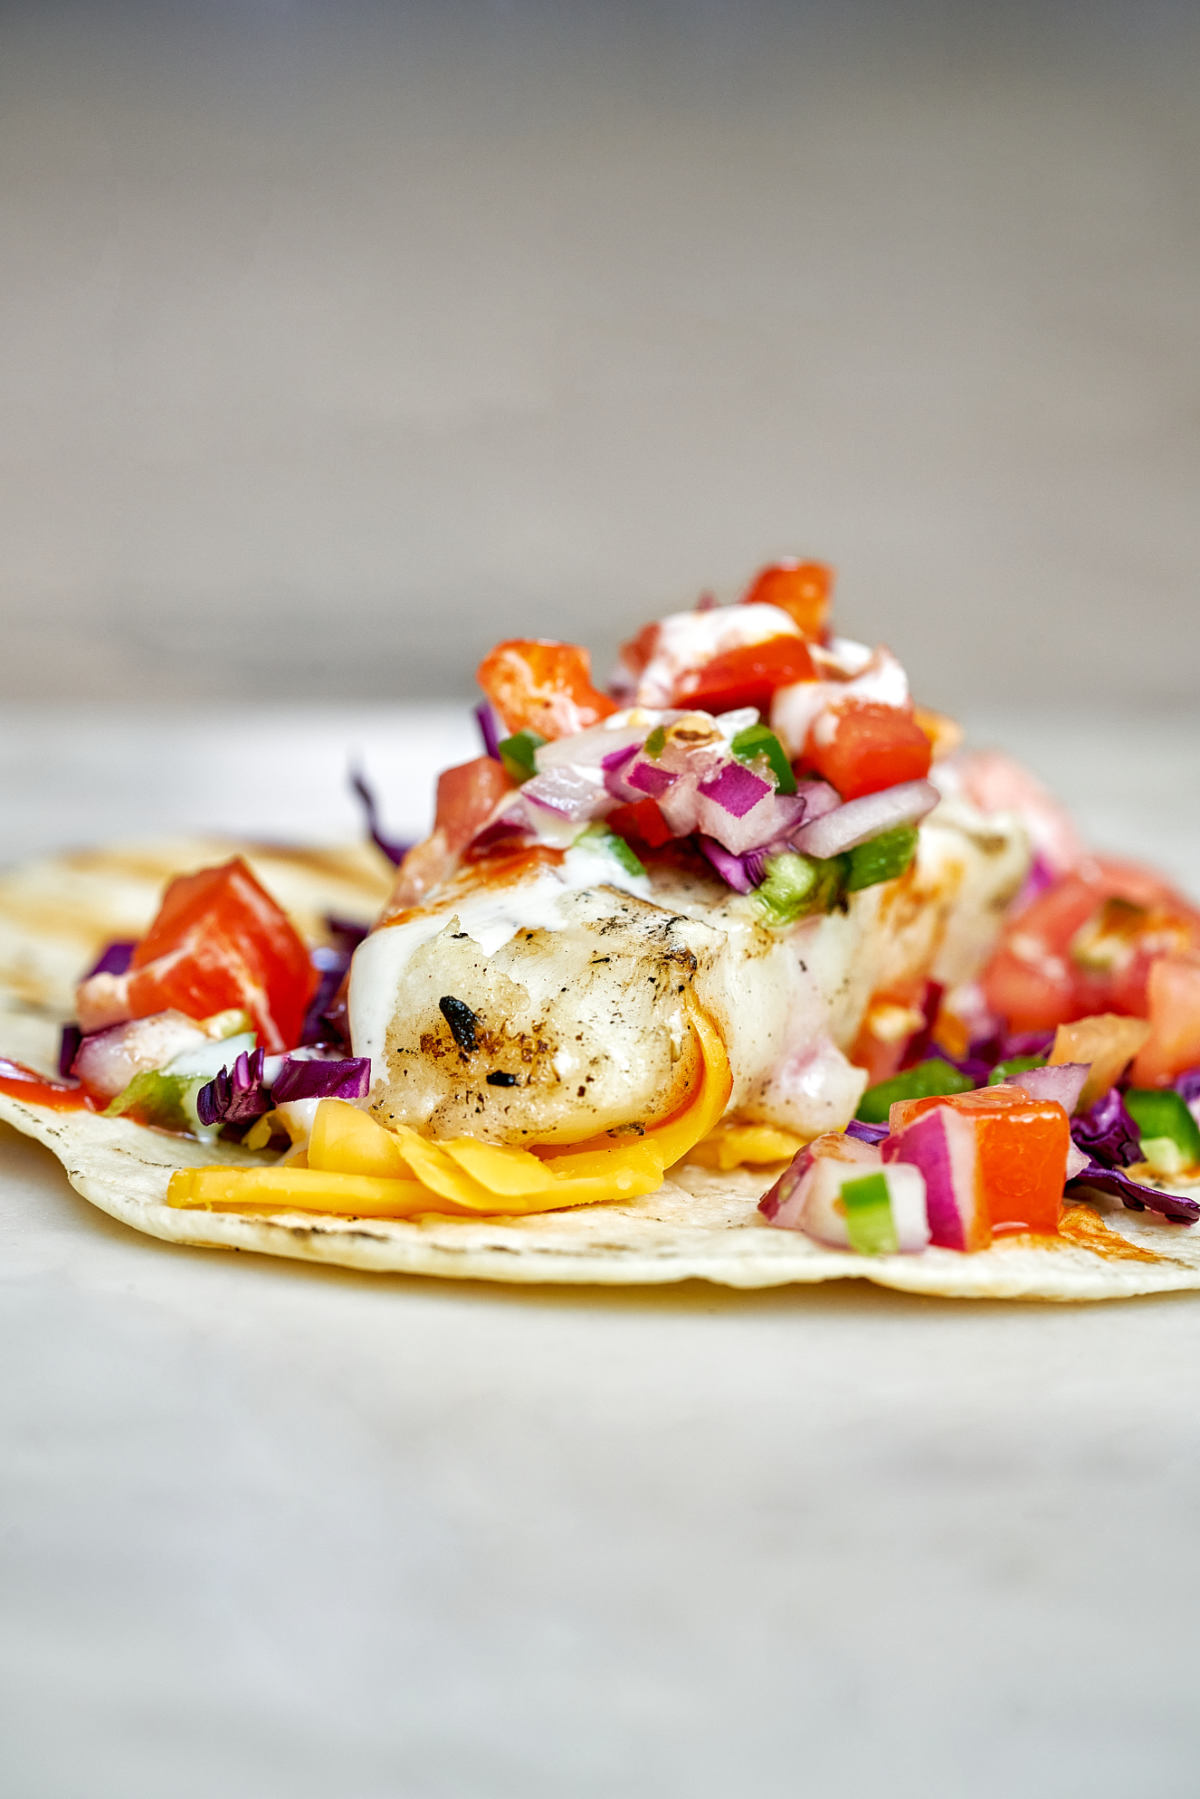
[{"x": 337, "y": 341}]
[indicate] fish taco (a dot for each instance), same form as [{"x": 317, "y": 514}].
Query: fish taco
[{"x": 742, "y": 968}]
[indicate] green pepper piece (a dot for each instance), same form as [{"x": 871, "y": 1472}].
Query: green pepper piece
[
  {"x": 517, "y": 754},
  {"x": 1160, "y": 1112},
  {"x": 655, "y": 743},
  {"x": 617, "y": 846},
  {"x": 795, "y": 886},
  {"x": 869, "y": 1221},
  {"x": 1013, "y": 1069},
  {"x": 881, "y": 858},
  {"x": 928, "y": 1080},
  {"x": 758, "y": 743},
  {"x": 166, "y": 1100}
]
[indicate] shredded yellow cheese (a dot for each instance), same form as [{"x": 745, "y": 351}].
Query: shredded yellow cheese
[
  {"x": 733, "y": 1145},
  {"x": 354, "y": 1163}
]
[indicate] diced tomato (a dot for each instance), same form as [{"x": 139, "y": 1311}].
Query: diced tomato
[
  {"x": 638, "y": 651},
  {"x": 220, "y": 941},
  {"x": 870, "y": 747},
  {"x": 1021, "y": 1150},
  {"x": 1088, "y": 945},
  {"x": 1029, "y": 993},
  {"x": 746, "y": 676},
  {"x": 466, "y": 797},
  {"x": 801, "y": 589},
  {"x": 1173, "y": 995},
  {"x": 1107, "y": 1043},
  {"x": 643, "y": 822},
  {"x": 536, "y": 685}
]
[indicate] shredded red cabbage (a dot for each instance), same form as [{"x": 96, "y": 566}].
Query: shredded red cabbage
[
  {"x": 332, "y": 963},
  {"x": 742, "y": 873},
  {"x": 1136, "y": 1197},
  {"x": 489, "y": 731},
  {"x": 394, "y": 851},
  {"x": 68, "y": 1048},
  {"x": 1107, "y": 1133},
  {"x": 308, "y": 1078},
  {"x": 1042, "y": 875},
  {"x": 236, "y": 1095},
  {"x": 242, "y": 1092},
  {"x": 1188, "y": 1086},
  {"x": 866, "y": 1133},
  {"x": 114, "y": 959}
]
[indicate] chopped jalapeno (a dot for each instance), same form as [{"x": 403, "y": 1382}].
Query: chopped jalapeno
[
  {"x": 1160, "y": 1112},
  {"x": 517, "y": 754},
  {"x": 758, "y": 743},
  {"x": 927, "y": 1080},
  {"x": 881, "y": 858},
  {"x": 869, "y": 1222},
  {"x": 1013, "y": 1069},
  {"x": 795, "y": 886}
]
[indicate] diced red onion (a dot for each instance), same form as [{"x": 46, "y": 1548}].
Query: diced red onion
[
  {"x": 859, "y": 820},
  {"x": 735, "y": 789},
  {"x": 597, "y": 747},
  {"x": 106, "y": 1061},
  {"x": 808, "y": 1196},
  {"x": 777, "y": 1198},
  {"x": 1059, "y": 1081},
  {"x": 649, "y": 778},
  {"x": 573, "y": 793},
  {"x": 510, "y": 826},
  {"x": 679, "y": 806},
  {"x": 942, "y": 1144}
]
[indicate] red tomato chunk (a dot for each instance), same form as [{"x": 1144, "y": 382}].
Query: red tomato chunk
[
  {"x": 871, "y": 747},
  {"x": 540, "y": 686},
  {"x": 220, "y": 941}
]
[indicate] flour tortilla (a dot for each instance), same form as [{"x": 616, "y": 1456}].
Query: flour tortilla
[{"x": 699, "y": 1225}]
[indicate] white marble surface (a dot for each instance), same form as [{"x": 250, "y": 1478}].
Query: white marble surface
[{"x": 272, "y": 1530}]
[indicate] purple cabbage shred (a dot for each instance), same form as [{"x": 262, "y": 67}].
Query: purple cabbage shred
[
  {"x": 68, "y": 1049},
  {"x": 241, "y": 1093},
  {"x": 323, "y": 1020},
  {"x": 237, "y": 1095},
  {"x": 742, "y": 873},
  {"x": 489, "y": 734},
  {"x": 866, "y": 1133},
  {"x": 1188, "y": 1086},
  {"x": 1135, "y": 1196},
  {"x": 1107, "y": 1133},
  {"x": 347, "y": 1078},
  {"x": 391, "y": 848},
  {"x": 113, "y": 959}
]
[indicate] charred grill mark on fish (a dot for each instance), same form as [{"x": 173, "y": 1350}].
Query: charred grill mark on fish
[{"x": 464, "y": 1025}]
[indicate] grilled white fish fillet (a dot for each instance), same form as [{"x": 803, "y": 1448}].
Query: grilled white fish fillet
[{"x": 539, "y": 998}]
